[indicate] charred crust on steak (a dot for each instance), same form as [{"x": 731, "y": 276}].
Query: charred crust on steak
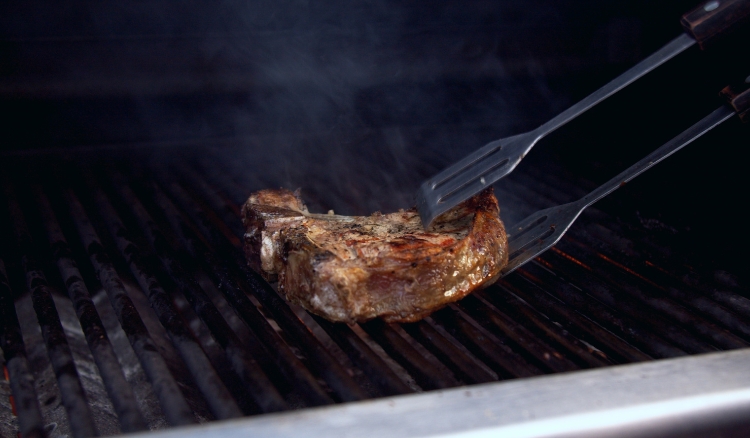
[{"x": 353, "y": 269}]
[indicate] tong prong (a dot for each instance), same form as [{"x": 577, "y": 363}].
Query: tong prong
[
  {"x": 471, "y": 175},
  {"x": 498, "y": 158},
  {"x": 539, "y": 232}
]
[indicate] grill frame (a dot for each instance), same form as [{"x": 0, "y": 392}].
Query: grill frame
[{"x": 701, "y": 395}]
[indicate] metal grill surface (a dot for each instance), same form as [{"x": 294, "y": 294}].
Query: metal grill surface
[{"x": 126, "y": 303}]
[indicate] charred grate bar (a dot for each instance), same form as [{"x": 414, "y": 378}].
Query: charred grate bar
[
  {"x": 165, "y": 387},
  {"x": 259, "y": 387},
  {"x": 60, "y": 356},
  {"x": 122, "y": 395},
  {"x": 218, "y": 342},
  {"x": 194, "y": 357},
  {"x": 16, "y": 366}
]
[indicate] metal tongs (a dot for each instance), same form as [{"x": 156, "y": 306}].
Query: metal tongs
[
  {"x": 540, "y": 231},
  {"x": 498, "y": 158}
]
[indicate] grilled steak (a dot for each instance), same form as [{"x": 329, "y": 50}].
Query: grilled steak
[{"x": 357, "y": 268}]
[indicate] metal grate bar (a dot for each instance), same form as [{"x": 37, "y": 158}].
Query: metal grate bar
[
  {"x": 73, "y": 397},
  {"x": 737, "y": 303},
  {"x": 223, "y": 209},
  {"x": 543, "y": 328},
  {"x": 614, "y": 347},
  {"x": 498, "y": 356},
  {"x": 654, "y": 298},
  {"x": 658, "y": 263},
  {"x": 200, "y": 367},
  {"x": 500, "y": 324},
  {"x": 30, "y": 423},
  {"x": 257, "y": 382},
  {"x": 363, "y": 357},
  {"x": 462, "y": 365},
  {"x": 172, "y": 401},
  {"x": 118, "y": 389},
  {"x": 421, "y": 369},
  {"x": 624, "y": 305},
  {"x": 221, "y": 180},
  {"x": 606, "y": 235},
  {"x": 625, "y": 328},
  {"x": 668, "y": 295}
]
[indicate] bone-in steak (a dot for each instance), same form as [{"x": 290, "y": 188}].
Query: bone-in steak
[{"x": 351, "y": 269}]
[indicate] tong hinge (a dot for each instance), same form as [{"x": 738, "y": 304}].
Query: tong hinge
[{"x": 739, "y": 98}]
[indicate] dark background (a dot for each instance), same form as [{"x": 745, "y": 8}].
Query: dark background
[
  {"x": 360, "y": 101},
  {"x": 91, "y": 73}
]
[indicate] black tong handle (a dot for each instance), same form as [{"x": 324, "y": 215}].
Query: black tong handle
[
  {"x": 714, "y": 18},
  {"x": 739, "y": 98}
]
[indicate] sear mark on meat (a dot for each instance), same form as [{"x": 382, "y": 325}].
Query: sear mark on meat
[{"x": 353, "y": 269}]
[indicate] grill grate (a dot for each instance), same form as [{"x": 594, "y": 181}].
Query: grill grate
[{"x": 217, "y": 341}]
